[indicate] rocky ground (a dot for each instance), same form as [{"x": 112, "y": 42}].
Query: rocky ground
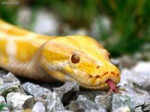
[{"x": 24, "y": 95}]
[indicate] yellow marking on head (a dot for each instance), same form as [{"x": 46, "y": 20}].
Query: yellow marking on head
[
  {"x": 53, "y": 56},
  {"x": 85, "y": 66},
  {"x": 25, "y": 51},
  {"x": 90, "y": 46},
  {"x": 3, "y": 54}
]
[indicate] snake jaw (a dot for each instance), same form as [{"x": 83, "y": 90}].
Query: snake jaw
[{"x": 112, "y": 86}]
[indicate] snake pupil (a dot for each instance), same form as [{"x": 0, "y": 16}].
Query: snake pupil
[{"x": 75, "y": 58}]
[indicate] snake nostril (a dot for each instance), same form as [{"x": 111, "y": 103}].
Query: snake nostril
[
  {"x": 90, "y": 76},
  {"x": 97, "y": 76},
  {"x": 113, "y": 73},
  {"x": 105, "y": 73},
  {"x": 97, "y": 67}
]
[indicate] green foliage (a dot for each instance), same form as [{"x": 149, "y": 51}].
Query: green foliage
[
  {"x": 2, "y": 106},
  {"x": 130, "y": 25},
  {"x": 76, "y": 12},
  {"x": 8, "y": 12},
  {"x": 130, "y": 19}
]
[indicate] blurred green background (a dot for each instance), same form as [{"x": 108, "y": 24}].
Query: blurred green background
[{"x": 122, "y": 26}]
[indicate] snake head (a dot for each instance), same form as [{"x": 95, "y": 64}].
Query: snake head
[{"x": 81, "y": 59}]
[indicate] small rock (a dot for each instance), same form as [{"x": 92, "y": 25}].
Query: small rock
[
  {"x": 122, "y": 109},
  {"x": 142, "y": 67},
  {"x": 29, "y": 103},
  {"x": 146, "y": 55},
  {"x": 146, "y": 107},
  {"x": 35, "y": 90},
  {"x": 50, "y": 24},
  {"x": 3, "y": 102},
  {"x": 138, "y": 109},
  {"x": 130, "y": 100},
  {"x": 117, "y": 63},
  {"x": 127, "y": 61},
  {"x": 67, "y": 92},
  {"x": 2, "y": 72},
  {"x": 15, "y": 101},
  {"x": 10, "y": 78},
  {"x": 100, "y": 26},
  {"x": 103, "y": 101},
  {"x": 135, "y": 77},
  {"x": 81, "y": 31},
  {"x": 1, "y": 81},
  {"x": 24, "y": 16},
  {"x": 91, "y": 94},
  {"x": 9, "y": 87},
  {"x": 27, "y": 110},
  {"x": 67, "y": 87},
  {"x": 53, "y": 103},
  {"x": 39, "y": 107},
  {"x": 119, "y": 101},
  {"x": 83, "y": 104}
]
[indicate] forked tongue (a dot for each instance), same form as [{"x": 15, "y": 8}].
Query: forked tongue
[{"x": 112, "y": 86}]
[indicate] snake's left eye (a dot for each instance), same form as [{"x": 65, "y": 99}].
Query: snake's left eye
[{"x": 75, "y": 58}]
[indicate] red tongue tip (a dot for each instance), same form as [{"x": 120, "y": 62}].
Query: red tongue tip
[{"x": 112, "y": 86}]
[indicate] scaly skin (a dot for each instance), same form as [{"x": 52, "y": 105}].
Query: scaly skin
[{"x": 63, "y": 58}]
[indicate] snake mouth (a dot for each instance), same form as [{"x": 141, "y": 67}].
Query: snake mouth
[
  {"x": 112, "y": 86},
  {"x": 109, "y": 83}
]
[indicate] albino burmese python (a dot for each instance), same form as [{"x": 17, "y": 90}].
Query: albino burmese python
[{"x": 51, "y": 58}]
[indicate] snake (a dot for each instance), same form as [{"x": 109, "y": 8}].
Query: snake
[{"x": 73, "y": 58}]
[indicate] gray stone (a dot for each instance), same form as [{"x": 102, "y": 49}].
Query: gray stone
[
  {"x": 103, "y": 101},
  {"x": 9, "y": 87},
  {"x": 15, "y": 101},
  {"x": 53, "y": 103},
  {"x": 3, "y": 103},
  {"x": 29, "y": 103},
  {"x": 146, "y": 107},
  {"x": 122, "y": 109},
  {"x": 35, "y": 90},
  {"x": 142, "y": 67},
  {"x": 67, "y": 87},
  {"x": 80, "y": 31},
  {"x": 100, "y": 26},
  {"x": 1, "y": 81},
  {"x": 127, "y": 61},
  {"x": 2, "y": 100},
  {"x": 24, "y": 16},
  {"x": 2, "y": 73},
  {"x": 83, "y": 104},
  {"x": 130, "y": 100},
  {"x": 39, "y": 107},
  {"x": 138, "y": 76},
  {"x": 117, "y": 63},
  {"x": 49, "y": 25},
  {"x": 10, "y": 78},
  {"x": 138, "y": 109},
  {"x": 67, "y": 92}
]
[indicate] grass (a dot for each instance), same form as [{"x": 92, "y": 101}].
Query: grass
[{"x": 130, "y": 20}]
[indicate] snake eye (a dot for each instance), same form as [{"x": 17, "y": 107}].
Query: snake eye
[{"x": 75, "y": 58}]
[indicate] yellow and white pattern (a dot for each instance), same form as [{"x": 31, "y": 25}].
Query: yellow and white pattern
[{"x": 63, "y": 58}]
